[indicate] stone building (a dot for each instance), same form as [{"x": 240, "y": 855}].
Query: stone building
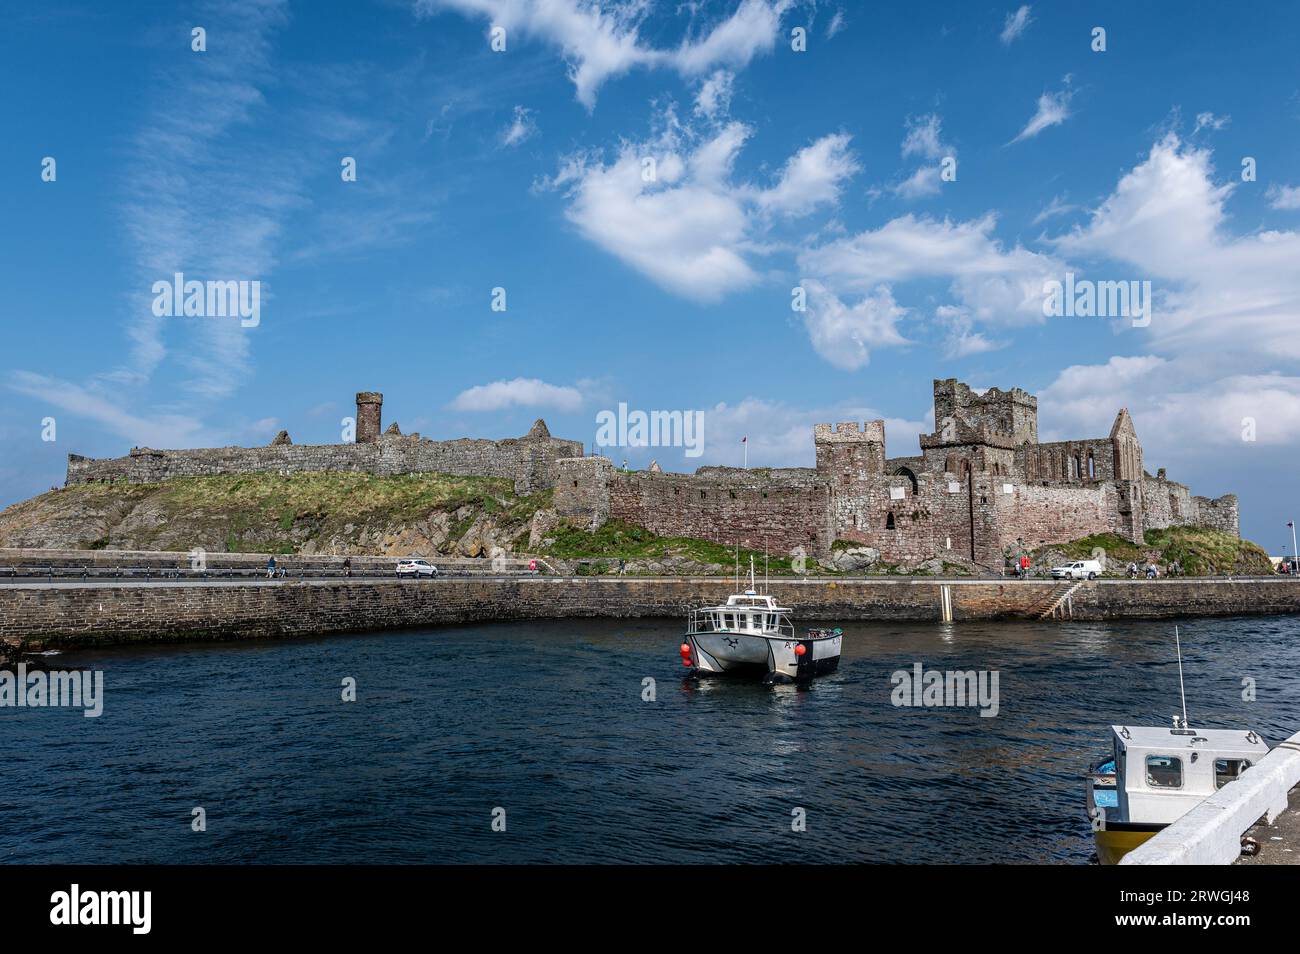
[
  {"x": 528, "y": 460},
  {"x": 982, "y": 485}
]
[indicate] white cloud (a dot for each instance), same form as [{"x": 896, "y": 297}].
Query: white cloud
[
  {"x": 1225, "y": 322},
  {"x": 519, "y": 392},
  {"x": 924, "y": 181},
  {"x": 813, "y": 176},
  {"x": 923, "y": 138},
  {"x": 845, "y": 334},
  {"x": 961, "y": 339},
  {"x": 714, "y": 96},
  {"x": 1210, "y": 121},
  {"x": 602, "y": 41},
  {"x": 1053, "y": 109},
  {"x": 1284, "y": 197},
  {"x": 836, "y": 25},
  {"x": 995, "y": 284},
  {"x": 522, "y": 127},
  {"x": 1176, "y": 414},
  {"x": 688, "y": 226},
  {"x": 1016, "y": 24}
]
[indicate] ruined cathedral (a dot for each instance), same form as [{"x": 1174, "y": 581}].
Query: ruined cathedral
[{"x": 982, "y": 486}]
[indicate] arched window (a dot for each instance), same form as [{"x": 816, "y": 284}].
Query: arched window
[
  {"x": 907, "y": 472},
  {"x": 889, "y": 522},
  {"x": 1092, "y": 467}
]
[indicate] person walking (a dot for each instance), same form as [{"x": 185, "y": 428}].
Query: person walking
[{"x": 270, "y": 568}]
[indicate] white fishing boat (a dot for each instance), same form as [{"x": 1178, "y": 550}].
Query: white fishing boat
[
  {"x": 752, "y": 632},
  {"x": 1155, "y": 775}
]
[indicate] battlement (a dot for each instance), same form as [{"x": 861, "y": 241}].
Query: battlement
[{"x": 871, "y": 432}]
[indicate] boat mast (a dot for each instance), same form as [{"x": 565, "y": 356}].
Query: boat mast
[
  {"x": 752, "y": 587},
  {"x": 1181, "y": 691}
]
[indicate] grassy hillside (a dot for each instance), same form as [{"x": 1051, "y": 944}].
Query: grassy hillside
[
  {"x": 1200, "y": 551},
  {"x": 303, "y": 513}
]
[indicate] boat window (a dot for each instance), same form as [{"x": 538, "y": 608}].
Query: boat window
[
  {"x": 1225, "y": 770},
  {"x": 1164, "y": 771},
  {"x": 728, "y": 621},
  {"x": 770, "y": 621}
]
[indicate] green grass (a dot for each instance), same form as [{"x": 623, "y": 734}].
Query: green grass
[
  {"x": 1201, "y": 551},
  {"x": 620, "y": 540}
]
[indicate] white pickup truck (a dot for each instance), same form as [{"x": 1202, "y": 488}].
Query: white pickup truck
[{"x": 1078, "y": 570}]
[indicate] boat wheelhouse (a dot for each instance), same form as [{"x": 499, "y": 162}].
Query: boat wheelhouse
[{"x": 1156, "y": 775}]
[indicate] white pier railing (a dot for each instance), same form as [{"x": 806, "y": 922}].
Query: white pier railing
[{"x": 1210, "y": 834}]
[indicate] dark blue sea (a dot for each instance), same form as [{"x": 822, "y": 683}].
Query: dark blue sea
[{"x": 547, "y": 721}]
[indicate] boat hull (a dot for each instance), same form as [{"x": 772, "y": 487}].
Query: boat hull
[
  {"x": 1114, "y": 843},
  {"x": 777, "y": 655}
]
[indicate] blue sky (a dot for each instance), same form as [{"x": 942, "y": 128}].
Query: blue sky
[{"x": 774, "y": 169}]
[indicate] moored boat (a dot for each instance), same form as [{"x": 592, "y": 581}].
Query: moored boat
[
  {"x": 1155, "y": 775},
  {"x": 752, "y": 632}
]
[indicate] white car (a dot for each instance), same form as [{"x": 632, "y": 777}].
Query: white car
[
  {"x": 414, "y": 567},
  {"x": 1078, "y": 570}
]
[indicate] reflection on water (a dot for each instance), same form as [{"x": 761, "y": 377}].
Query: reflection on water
[{"x": 547, "y": 721}]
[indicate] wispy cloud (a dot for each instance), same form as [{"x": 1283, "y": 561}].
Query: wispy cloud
[
  {"x": 1016, "y": 24},
  {"x": 1053, "y": 109},
  {"x": 1058, "y": 206},
  {"x": 522, "y": 127},
  {"x": 1210, "y": 121}
]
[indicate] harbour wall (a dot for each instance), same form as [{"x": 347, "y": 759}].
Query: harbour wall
[{"x": 34, "y": 616}]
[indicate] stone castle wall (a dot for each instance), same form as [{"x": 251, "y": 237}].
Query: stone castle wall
[
  {"x": 981, "y": 487},
  {"x": 527, "y": 461}
]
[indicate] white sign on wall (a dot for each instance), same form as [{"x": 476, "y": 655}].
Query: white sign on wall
[
  {"x": 896, "y": 493},
  {"x": 1007, "y": 488},
  {"x": 954, "y": 487}
]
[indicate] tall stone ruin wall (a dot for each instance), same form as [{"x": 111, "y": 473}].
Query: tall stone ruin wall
[{"x": 526, "y": 462}]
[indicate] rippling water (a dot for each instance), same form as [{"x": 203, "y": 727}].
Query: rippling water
[{"x": 546, "y": 720}]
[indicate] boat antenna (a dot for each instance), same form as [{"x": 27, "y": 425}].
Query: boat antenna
[
  {"x": 737, "y": 566},
  {"x": 767, "y": 575},
  {"x": 1181, "y": 691},
  {"x": 752, "y": 586}
]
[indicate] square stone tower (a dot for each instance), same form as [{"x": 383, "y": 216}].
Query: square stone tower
[{"x": 845, "y": 453}]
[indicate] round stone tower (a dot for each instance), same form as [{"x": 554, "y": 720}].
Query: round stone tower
[{"x": 370, "y": 412}]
